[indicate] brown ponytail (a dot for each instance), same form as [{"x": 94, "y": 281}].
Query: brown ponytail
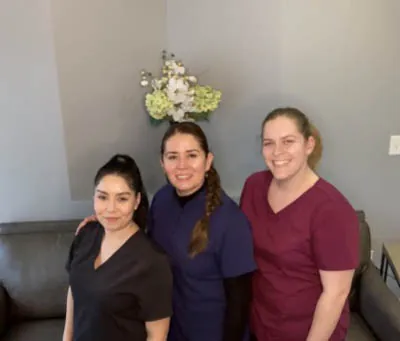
[
  {"x": 199, "y": 238},
  {"x": 315, "y": 156},
  {"x": 306, "y": 128}
]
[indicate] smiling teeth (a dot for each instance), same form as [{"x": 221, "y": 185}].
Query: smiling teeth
[
  {"x": 182, "y": 177},
  {"x": 281, "y": 163}
]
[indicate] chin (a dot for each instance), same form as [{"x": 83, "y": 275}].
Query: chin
[
  {"x": 281, "y": 174},
  {"x": 185, "y": 189}
]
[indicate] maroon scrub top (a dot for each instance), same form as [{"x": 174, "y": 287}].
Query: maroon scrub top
[{"x": 318, "y": 231}]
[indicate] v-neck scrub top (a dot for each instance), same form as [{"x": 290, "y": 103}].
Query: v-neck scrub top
[
  {"x": 114, "y": 301},
  {"x": 199, "y": 302},
  {"x": 318, "y": 231}
]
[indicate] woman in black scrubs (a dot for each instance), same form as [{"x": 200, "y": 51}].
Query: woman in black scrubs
[{"x": 120, "y": 284}]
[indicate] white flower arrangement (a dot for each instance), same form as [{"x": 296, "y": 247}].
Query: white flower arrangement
[{"x": 176, "y": 96}]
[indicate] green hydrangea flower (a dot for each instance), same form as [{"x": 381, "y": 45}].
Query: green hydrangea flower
[
  {"x": 158, "y": 104},
  {"x": 206, "y": 98}
]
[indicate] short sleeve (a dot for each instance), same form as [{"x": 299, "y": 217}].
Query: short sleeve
[
  {"x": 72, "y": 251},
  {"x": 335, "y": 237},
  {"x": 70, "y": 256},
  {"x": 236, "y": 252},
  {"x": 88, "y": 229},
  {"x": 155, "y": 296}
]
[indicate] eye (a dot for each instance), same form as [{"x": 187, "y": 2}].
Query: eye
[
  {"x": 101, "y": 197},
  {"x": 123, "y": 199},
  {"x": 192, "y": 156},
  {"x": 171, "y": 157},
  {"x": 288, "y": 142},
  {"x": 267, "y": 143}
]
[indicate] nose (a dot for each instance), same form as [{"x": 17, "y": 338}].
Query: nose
[
  {"x": 278, "y": 148},
  {"x": 181, "y": 163},
  {"x": 111, "y": 205}
]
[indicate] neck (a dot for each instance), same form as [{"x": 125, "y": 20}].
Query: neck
[
  {"x": 192, "y": 191},
  {"x": 303, "y": 178},
  {"x": 122, "y": 232}
]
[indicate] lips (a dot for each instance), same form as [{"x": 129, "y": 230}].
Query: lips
[{"x": 111, "y": 219}]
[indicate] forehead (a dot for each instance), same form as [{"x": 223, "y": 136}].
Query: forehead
[
  {"x": 113, "y": 184},
  {"x": 181, "y": 142},
  {"x": 280, "y": 127}
]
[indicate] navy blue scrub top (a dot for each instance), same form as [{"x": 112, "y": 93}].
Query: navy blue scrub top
[{"x": 198, "y": 293}]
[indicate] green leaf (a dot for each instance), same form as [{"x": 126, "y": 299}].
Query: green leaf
[
  {"x": 155, "y": 122},
  {"x": 200, "y": 116}
]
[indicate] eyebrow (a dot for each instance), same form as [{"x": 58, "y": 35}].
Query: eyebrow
[
  {"x": 122, "y": 193},
  {"x": 186, "y": 151},
  {"x": 283, "y": 137}
]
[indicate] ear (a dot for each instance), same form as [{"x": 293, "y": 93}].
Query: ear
[
  {"x": 162, "y": 165},
  {"x": 138, "y": 200},
  {"x": 310, "y": 145},
  {"x": 209, "y": 161}
]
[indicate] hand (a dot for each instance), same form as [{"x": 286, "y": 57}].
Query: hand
[{"x": 84, "y": 222}]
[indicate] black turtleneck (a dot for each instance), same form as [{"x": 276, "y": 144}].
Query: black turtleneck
[{"x": 237, "y": 292}]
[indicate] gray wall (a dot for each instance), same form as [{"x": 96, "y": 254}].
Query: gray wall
[
  {"x": 101, "y": 46},
  {"x": 336, "y": 60}
]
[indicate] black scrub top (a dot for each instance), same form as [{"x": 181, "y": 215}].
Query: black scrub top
[{"x": 114, "y": 301}]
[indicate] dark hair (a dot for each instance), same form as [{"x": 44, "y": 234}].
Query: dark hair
[
  {"x": 126, "y": 167},
  {"x": 305, "y": 127},
  {"x": 199, "y": 239}
]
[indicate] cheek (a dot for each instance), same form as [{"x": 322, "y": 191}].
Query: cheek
[
  {"x": 168, "y": 167},
  {"x": 199, "y": 167},
  {"x": 127, "y": 208},
  {"x": 99, "y": 205},
  {"x": 266, "y": 152}
]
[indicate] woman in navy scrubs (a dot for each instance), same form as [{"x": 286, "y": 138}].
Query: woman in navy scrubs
[
  {"x": 120, "y": 284},
  {"x": 207, "y": 239},
  {"x": 305, "y": 234}
]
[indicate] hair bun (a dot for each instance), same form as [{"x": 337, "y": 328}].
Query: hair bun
[{"x": 122, "y": 158}]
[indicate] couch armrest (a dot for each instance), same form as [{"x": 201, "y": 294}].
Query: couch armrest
[
  {"x": 379, "y": 306},
  {"x": 3, "y": 310}
]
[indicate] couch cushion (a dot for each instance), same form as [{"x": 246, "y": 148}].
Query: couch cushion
[
  {"x": 358, "y": 330},
  {"x": 32, "y": 267},
  {"x": 365, "y": 249},
  {"x": 36, "y": 331}
]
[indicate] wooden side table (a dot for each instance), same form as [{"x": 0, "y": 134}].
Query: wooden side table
[{"x": 391, "y": 258}]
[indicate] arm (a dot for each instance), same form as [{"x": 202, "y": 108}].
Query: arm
[
  {"x": 69, "y": 318},
  {"x": 335, "y": 245},
  {"x": 238, "y": 296},
  {"x": 157, "y": 330},
  {"x": 155, "y": 298},
  {"x": 336, "y": 287}
]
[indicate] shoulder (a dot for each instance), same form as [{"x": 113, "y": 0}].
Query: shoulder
[
  {"x": 164, "y": 193},
  {"x": 330, "y": 196},
  {"x": 230, "y": 214},
  {"x": 153, "y": 257},
  {"x": 149, "y": 250},
  {"x": 258, "y": 178},
  {"x": 332, "y": 204},
  {"x": 88, "y": 232}
]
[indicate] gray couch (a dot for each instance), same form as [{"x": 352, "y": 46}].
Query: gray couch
[
  {"x": 375, "y": 309},
  {"x": 33, "y": 279},
  {"x": 34, "y": 284}
]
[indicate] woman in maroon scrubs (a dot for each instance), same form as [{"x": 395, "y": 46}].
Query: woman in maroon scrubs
[{"x": 305, "y": 234}]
